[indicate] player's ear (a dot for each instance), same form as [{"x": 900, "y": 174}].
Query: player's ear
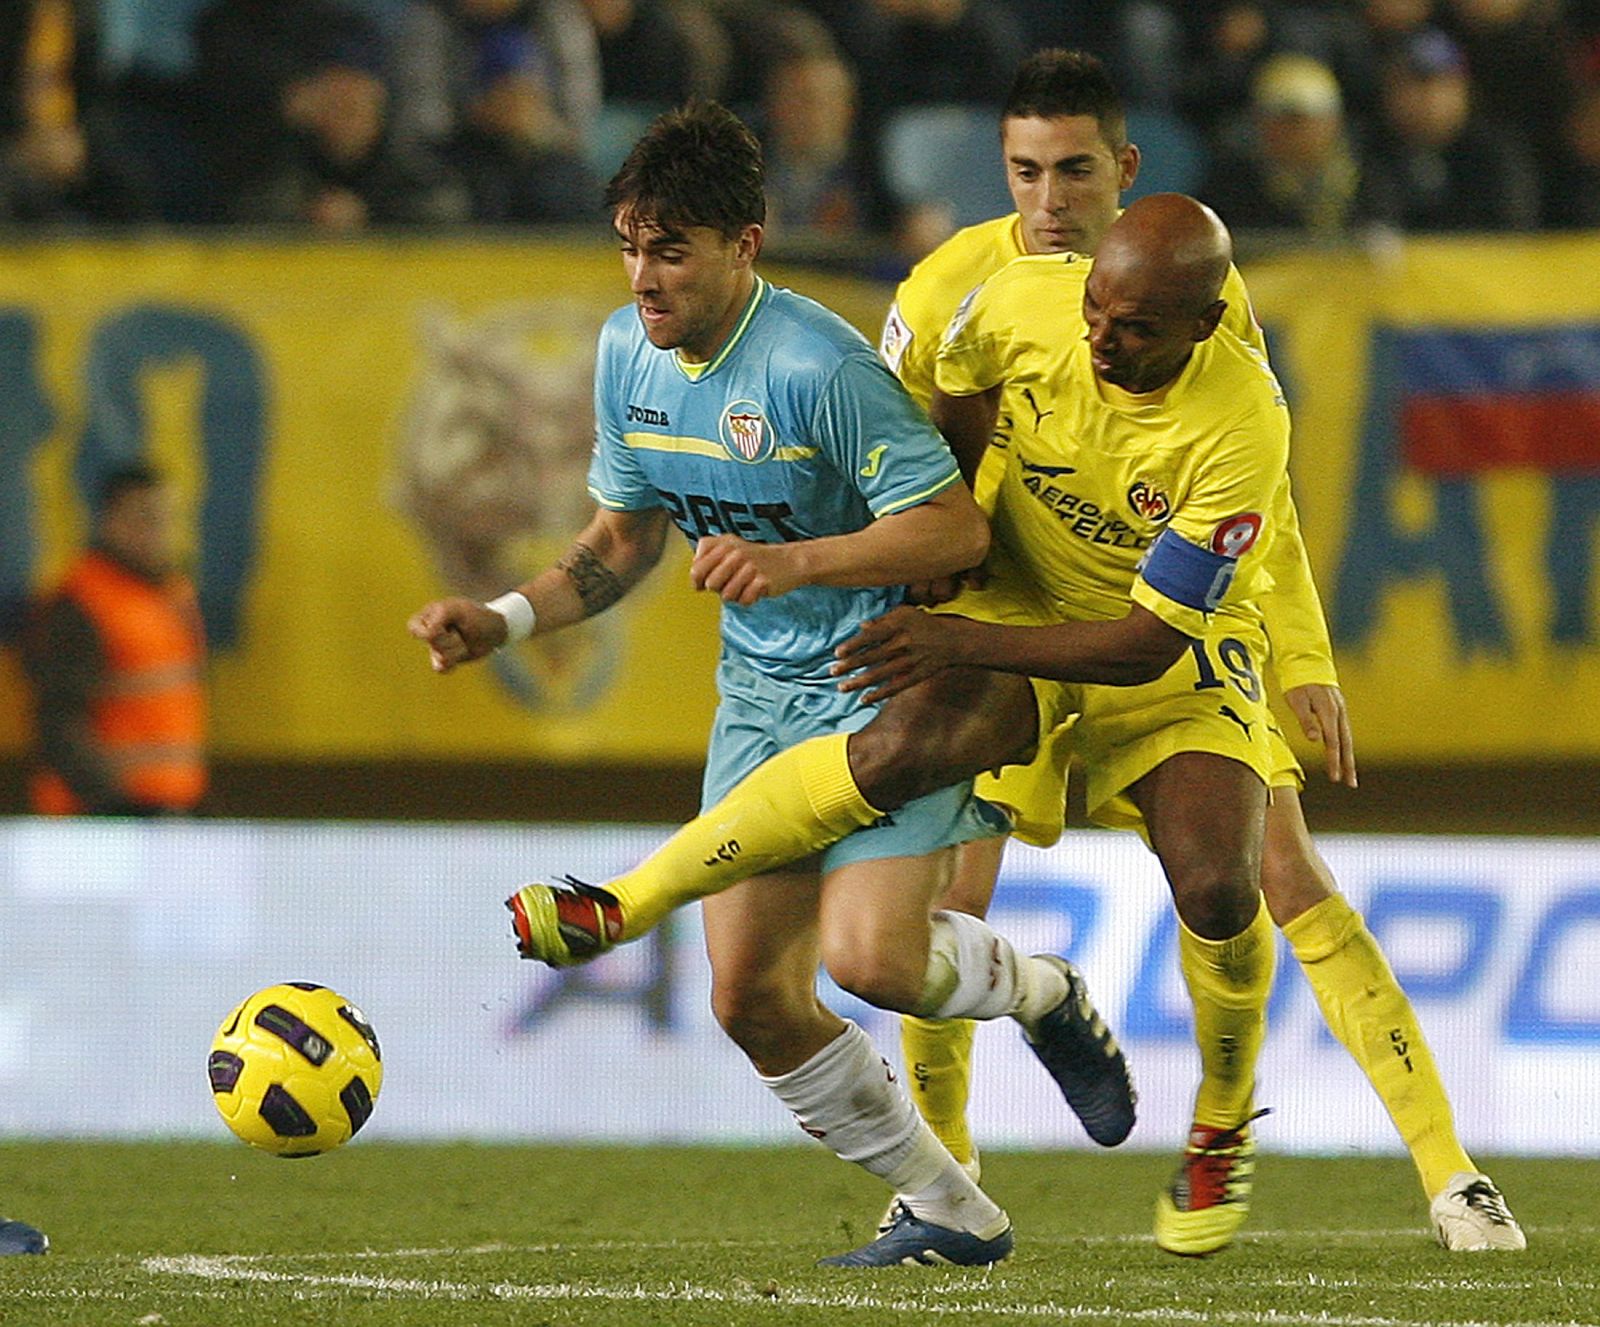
[
  {"x": 1209, "y": 319},
  {"x": 1128, "y": 166},
  {"x": 747, "y": 248}
]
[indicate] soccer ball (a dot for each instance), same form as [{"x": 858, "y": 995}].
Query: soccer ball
[{"x": 295, "y": 1069}]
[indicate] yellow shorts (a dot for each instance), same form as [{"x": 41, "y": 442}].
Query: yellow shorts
[{"x": 1213, "y": 699}]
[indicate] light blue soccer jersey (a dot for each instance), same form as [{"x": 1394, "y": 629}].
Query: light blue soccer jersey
[{"x": 794, "y": 431}]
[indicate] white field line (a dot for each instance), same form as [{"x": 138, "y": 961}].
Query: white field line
[
  {"x": 237, "y": 1269},
  {"x": 1409, "y": 1233}
]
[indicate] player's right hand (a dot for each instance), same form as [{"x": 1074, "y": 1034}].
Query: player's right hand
[{"x": 457, "y": 631}]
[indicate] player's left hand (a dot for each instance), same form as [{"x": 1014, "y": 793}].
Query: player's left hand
[
  {"x": 896, "y": 651},
  {"x": 1323, "y": 718},
  {"x": 742, "y": 572}
]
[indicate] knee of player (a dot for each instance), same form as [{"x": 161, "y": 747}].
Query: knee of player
[
  {"x": 1292, "y": 881},
  {"x": 874, "y": 974},
  {"x": 885, "y": 761},
  {"x": 756, "y": 1018},
  {"x": 923, "y": 740},
  {"x": 1215, "y": 902},
  {"x": 1293, "y": 875}
]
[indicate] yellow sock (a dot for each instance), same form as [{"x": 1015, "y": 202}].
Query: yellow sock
[
  {"x": 1370, "y": 1014},
  {"x": 938, "y": 1059},
  {"x": 800, "y": 801},
  {"x": 1229, "y": 981}
]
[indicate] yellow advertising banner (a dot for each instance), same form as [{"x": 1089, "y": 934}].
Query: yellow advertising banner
[
  {"x": 1446, "y": 459},
  {"x": 357, "y": 429}
]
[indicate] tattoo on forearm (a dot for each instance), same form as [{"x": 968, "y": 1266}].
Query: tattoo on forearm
[{"x": 597, "y": 585}]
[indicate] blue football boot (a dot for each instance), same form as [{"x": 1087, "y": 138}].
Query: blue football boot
[
  {"x": 19, "y": 1237},
  {"x": 912, "y": 1242}
]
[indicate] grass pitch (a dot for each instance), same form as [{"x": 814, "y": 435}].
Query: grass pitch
[{"x": 201, "y": 1234}]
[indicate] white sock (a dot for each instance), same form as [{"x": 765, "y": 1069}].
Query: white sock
[
  {"x": 973, "y": 972},
  {"x": 847, "y": 1096}
]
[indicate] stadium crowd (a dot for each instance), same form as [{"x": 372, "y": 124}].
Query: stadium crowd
[{"x": 1319, "y": 118}]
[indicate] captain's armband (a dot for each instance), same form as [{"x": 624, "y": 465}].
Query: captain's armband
[{"x": 1187, "y": 574}]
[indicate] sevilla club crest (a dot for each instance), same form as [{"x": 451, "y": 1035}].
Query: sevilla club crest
[{"x": 745, "y": 432}]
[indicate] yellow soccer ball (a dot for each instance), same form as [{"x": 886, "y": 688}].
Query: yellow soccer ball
[{"x": 295, "y": 1069}]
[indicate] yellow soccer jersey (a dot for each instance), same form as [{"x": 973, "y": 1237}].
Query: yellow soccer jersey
[
  {"x": 916, "y": 322},
  {"x": 1163, "y": 499},
  {"x": 935, "y": 287},
  {"x": 928, "y": 296}
]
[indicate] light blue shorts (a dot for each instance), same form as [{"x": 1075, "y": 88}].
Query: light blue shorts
[{"x": 759, "y": 716}]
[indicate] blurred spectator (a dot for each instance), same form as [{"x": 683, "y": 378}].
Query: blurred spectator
[
  {"x": 944, "y": 51},
  {"x": 658, "y": 53},
  {"x": 511, "y": 150},
  {"x": 52, "y": 167},
  {"x": 1450, "y": 169},
  {"x": 300, "y": 87},
  {"x": 1300, "y": 170},
  {"x": 1225, "y": 44},
  {"x": 116, "y": 657},
  {"x": 1387, "y": 24},
  {"x": 1230, "y": 39},
  {"x": 1584, "y": 18},
  {"x": 760, "y": 33},
  {"x": 150, "y": 107},
  {"x": 1576, "y": 193},
  {"x": 1517, "y": 52},
  {"x": 856, "y": 28},
  {"x": 439, "y": 53},
  {"x": 1140, "y": 41},
  {"x": 818, "y": 175}
]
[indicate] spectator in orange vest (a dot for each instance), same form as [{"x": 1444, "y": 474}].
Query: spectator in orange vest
[{"x": 115, "y": 656}]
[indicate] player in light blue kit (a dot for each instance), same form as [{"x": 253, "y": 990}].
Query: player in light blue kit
[{"x": 765, "y": 428}]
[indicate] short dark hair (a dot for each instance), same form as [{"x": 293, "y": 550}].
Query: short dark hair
[
  {"x": 698, "y": 165},
  {"x": 126, "y": 478},
  {"x": 1057, "y": 82}
]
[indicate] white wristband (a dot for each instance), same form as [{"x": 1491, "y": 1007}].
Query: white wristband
[{"x": 518, "y": 613}]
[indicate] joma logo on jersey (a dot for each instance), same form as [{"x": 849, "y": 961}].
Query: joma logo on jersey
[
  {"x": 746, "y": 435},
  {"x": 1150, "y": 503},
  {"x": 644, "y": 414}
]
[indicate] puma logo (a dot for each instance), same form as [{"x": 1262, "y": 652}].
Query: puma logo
[{"x": 1228, "y": 712}]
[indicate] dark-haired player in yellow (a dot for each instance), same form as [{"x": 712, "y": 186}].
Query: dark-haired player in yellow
[{"x": 1067, "y": 160}]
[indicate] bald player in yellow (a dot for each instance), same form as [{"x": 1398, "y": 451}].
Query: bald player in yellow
[
  {"x": 1143, "y": 449},
  {"x": 1067, "y": 160}
]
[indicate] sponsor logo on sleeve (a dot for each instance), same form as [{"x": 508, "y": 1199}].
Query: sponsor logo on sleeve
[
  {"x": 1234, "y": 537},
  {"x": 896, "y": 339}
]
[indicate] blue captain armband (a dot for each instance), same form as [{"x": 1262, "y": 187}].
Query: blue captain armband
[{"x": 1187, "y": 574}]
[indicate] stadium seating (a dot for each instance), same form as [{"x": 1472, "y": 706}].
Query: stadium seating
[
  {"x": 616, "y": 129},
  {"x": 946, "y": 154},
  {"x": 1172, "y": 155}
]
